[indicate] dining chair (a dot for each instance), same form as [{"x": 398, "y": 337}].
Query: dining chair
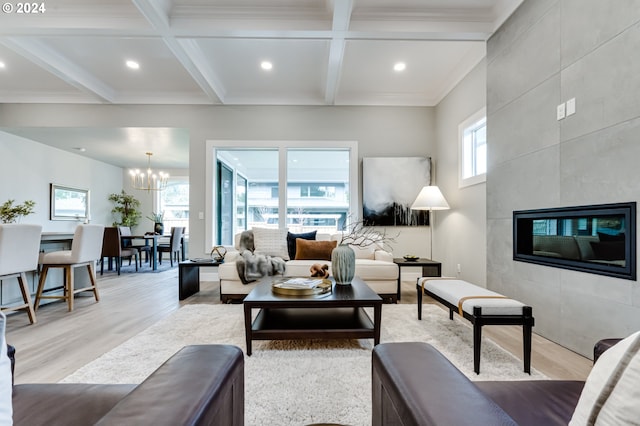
[
  {"x": 112, "y": 249},
  {"x": 19, "y": 251},
  {"x": 85, "y": 251},
  {"x": 127, "y": 243},
  {"x": 174, "y": 246}
]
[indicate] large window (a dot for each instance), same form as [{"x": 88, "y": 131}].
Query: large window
[
  {"x": 174, "y": 202},
  {"x": 251, "y": 186},
  {"x": 473, "y": 149}
]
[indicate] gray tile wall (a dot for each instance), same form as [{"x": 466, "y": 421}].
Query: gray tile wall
[{"x": 545, "y": 54}]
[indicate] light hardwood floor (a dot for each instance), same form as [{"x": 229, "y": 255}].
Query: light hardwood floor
[{"x": 61, "y": 341}]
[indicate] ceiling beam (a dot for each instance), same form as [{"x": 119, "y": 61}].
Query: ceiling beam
[
  {"x": 189, "y": 54},
  {"x": 341, "y": 18},
  {"x": 60, "y": 66}
]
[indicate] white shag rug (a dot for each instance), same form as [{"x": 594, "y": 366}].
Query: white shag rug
[{"x": 300, "y": 382}]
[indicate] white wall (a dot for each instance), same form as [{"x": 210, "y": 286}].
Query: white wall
[
  {"x": 27, "y": 168},
  {"x": 460, "y": 233},
  {"x": 380, "y": 131}
]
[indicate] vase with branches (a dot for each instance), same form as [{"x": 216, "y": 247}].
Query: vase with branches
[
  {"x": 343, "y": 257},
  {"x": 157, "y": 219}
]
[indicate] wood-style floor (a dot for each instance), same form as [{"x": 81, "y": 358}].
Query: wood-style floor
[{"x": 61, "y": 341}]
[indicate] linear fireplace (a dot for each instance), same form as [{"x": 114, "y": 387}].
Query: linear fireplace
[{"x": 600, "y": 239}]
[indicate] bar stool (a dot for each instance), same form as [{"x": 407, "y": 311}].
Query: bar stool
[
  {"x": 85, "y": 251},
  {"x": 19, "y": 248}
]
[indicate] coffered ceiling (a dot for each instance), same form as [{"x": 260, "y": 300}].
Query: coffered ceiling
[{"x": 323, "y": 52}]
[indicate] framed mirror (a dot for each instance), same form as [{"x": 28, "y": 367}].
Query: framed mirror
[{"x": 69, "y": 203}]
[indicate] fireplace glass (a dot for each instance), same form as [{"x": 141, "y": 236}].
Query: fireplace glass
[{"x": 599, "y": 239}]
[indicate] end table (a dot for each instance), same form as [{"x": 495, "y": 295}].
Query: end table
[
  {"x": 430, "y": 268},
  {"x": 189, "y": 276}
]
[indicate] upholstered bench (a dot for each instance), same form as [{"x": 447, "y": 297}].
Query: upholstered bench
[{"x": 481, "y": 307}]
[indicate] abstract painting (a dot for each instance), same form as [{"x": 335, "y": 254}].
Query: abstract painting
[{"x": 389, "y": 188}]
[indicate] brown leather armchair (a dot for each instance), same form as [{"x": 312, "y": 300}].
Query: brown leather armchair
[
  {"x": 414, "y": 384},
  {"x": 199, "y": 385}
]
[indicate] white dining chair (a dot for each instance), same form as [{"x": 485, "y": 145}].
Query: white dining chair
[
  {"x": 19, "y": 249},
  {"x": 85, "y": 251}
]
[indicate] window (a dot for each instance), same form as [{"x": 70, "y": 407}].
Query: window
[
  {"x": 174, "y": 202},
  {"x": 311, "y": 184},
  {"x": 317, "y": 189},
  {"x": 247, "y": 191},
  {"x": 473, "y": 149}
]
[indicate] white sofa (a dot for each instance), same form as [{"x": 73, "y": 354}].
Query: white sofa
[{"x": 374, "y": 265}]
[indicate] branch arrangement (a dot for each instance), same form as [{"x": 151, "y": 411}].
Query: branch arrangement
[{"x": 359, "y": 235}]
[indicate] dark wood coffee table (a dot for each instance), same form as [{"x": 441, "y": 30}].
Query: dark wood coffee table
[{"x": 336, "y": 315}]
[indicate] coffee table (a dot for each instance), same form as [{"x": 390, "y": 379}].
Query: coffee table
[{"x": 335, "y": 315}]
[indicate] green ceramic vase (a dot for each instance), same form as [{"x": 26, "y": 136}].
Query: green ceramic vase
[{"x": 343, "y": 264}]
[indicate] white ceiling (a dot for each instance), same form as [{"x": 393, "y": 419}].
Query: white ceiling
[{"x": 324, "y": 52}]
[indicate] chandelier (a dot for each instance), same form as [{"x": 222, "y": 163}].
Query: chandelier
[{"x": 149, "y": 181}]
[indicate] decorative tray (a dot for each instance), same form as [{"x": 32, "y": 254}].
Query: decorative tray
[
  {"x": 301, "y": 286},
  {"x": 411, "y": 258}
]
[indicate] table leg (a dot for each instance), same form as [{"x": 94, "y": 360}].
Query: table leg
[
  {"x": 377, "y": 319},
  {"x": 188, "y": 280},
  {"x": 247, "y": 328},
  {"x": 419, "y": 289},
  {"x": 154, "y": 253}
]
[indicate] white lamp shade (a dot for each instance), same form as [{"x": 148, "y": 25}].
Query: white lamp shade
[{"x": 430, "y": 198}]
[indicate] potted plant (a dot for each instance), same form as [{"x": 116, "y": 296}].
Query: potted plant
[
  {"x": 126, "y": 209},
  {"x": 157, "y": 218},
  {"x": 11, "y": 214}
]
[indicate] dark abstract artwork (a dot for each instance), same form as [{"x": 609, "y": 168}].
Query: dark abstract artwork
[{"x": 390, "y": 186}]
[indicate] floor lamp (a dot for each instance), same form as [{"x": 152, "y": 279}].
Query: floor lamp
[{"x": 430, "y": 198}]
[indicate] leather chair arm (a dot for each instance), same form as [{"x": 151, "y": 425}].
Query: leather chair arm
[
  {"x": 601, "y": 346},
  {"x": 413, "y": 384},
  {"x": 201, "y": 384}
]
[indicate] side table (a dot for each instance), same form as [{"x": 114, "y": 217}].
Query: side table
[
  {"x": 430, "y": 268},
  {"x": 189, "y": 276}
]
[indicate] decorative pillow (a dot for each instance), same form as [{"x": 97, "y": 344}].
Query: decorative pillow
[
  {"x": 6, "y": 387},
  {"x": 291, "y": 241},
  {"x": 271, "y": 242},
  {"x": 611, "y": 395},
  {"x": 314, "y": 250}
]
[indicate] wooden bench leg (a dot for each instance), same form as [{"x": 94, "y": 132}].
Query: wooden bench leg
[
  {"x": 526, "y": 337},
  {"x": 477, "y": 338}
]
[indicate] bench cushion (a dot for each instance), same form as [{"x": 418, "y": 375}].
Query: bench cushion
[{"x": 454, "y": 290}]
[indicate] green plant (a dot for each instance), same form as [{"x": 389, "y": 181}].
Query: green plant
[
  {"x": 156, "y": 217},
  {"x": 126, "y": 209},
  {"x": 10, "y": 213}
]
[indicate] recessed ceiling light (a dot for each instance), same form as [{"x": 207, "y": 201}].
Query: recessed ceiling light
[
  {"x": 2, "y": 65},
  {"x": 80, "y": 149},
  {"x": 266, "y": 65},
  {"x": 133, "y": 64},
  {"x": 399, "y": 66}
]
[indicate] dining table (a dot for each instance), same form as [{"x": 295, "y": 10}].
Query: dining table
[{"x": 149, "y": 238}]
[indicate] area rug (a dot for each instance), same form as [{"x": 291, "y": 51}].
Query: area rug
[{"x": 300, "y": 382}]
